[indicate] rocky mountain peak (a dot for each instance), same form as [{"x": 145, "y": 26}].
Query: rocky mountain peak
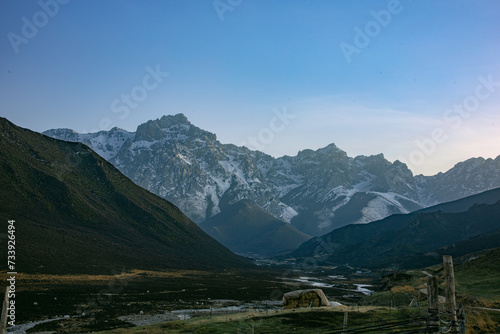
[
  {"x": 117, "y": 129},
  {"x": 473, "y": 175},
  {"x": 329, "y": 149},
  {"x": 171, "y": 127},
  {"x": 64, "y": 133}
]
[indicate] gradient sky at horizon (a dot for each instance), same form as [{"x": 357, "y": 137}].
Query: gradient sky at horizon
[{"x": 399, "y": 95}]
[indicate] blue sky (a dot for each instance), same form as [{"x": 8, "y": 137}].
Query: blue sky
[{"x": 422, "y": 86}]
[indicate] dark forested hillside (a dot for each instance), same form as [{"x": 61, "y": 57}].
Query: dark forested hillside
[{"x": 75, "y": 212}]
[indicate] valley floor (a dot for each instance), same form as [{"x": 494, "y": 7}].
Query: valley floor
[
  {"x": 305, "y": 320},
  {"x": 232, "y": 301},
  {"x": 87, "y": 303}
]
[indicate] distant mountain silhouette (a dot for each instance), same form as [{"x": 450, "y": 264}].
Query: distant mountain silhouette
[{"x": 246, "y": 228}]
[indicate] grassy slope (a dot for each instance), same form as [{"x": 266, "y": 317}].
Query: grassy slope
[
  {"x": 480, "y": 277},
  {"x": 477, "y": 278},
  {"x": 477, "y": 283},
  {"x": 319, "y": 320},
  {"x": 75, "y": 212}
]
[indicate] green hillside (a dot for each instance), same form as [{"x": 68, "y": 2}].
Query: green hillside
[
  {"x": 480, "y": 277},
  {"x": 76, "y": 213}
]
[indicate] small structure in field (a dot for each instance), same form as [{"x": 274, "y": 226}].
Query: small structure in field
[{"x": 305, "y": 298}]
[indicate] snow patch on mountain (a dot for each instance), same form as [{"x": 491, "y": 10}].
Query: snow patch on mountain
[
  {"x": 105, "y": 143},
  {"x": 377, "y": 208},
  {"x": 288, "y": 213}
]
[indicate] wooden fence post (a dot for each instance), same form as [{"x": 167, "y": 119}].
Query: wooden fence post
[
  {"x": 346, "y": 315},
  {"x": 392, "y": 299},
  {"x": 462, "y": 329},
  {"x": 433, "y": 303},
  {"x": 451, "y": 304},
  {"x": 5, "y": 306}
]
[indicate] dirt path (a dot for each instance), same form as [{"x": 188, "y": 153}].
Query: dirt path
[{"x": 487, "y": 309}]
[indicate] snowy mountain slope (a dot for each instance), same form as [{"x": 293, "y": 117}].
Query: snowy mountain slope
[
  {"x": 466, "y": 178},
  {"x": 105, "y": 143},
  {"x": 188, "y": 166},
  {"x": 316, "y": 191},
  {"x": 340, "y": 190}
]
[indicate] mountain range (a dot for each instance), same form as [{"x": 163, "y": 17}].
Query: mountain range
[
  {"x": 76, "y": 213},
  {"x": 315, "y": 191}
]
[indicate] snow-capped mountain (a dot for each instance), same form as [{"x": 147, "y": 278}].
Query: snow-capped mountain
[
  {"x": 466, "y": 178},
  {"x": 189, "y": 167},
  {"x": 105, "y": 143},
  {"x": 336, "y": 190},
  {"x": 316, "y": 191}
]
